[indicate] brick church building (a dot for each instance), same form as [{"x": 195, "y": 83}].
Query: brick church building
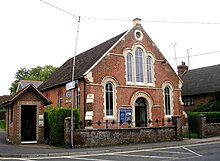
[{"x": 125, "y": 78}]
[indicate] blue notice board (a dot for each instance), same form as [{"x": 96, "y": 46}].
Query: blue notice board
[{"x": 125, "y": 114}]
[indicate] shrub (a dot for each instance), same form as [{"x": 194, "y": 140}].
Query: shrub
[
  {"x": 211, "y": 106},
  {"x": 2, "y": 114},
  {"x": 211, "y": 117},
  {"x": 56, "y": 118},
  {"x": 2, "y": 124}
]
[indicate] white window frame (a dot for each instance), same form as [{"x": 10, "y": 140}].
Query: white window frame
[
  {"x": 78, "y": 98},
  {"x": 145, "y": 55},
  {"x": 149, "y": 68},
  {"x": 129, "y": 67},
  {"x": 168, "y": 84},
  {"x": 139, "y": 65},
  {"x": 115, "y": 84},
  {"x": 60, "y": 99}
]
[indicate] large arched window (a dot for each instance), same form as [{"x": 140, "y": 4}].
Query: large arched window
[
  {"x": 60, "y": 99},
  {"x": 129, "y": 67},
  {"x": 139, "y": 65},
  {"x": 149, "y": 70},
  {"x": 167, "y": 95},
  {"x": 109, "y": 98}
]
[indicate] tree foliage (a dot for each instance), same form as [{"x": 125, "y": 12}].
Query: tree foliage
[{"x": 37, "y": 73}]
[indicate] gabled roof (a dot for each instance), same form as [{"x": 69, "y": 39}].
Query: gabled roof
[
  {"x": 23, "y": 83},
  {"x": 201, "y": 81},
  {"x": 84, "y": 62},
  {"x": 12, "y": 98}
]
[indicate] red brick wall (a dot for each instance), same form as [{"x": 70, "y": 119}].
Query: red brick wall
[
  {"x": 52, "y": 94},
  {"x": 199, "y": 99}
]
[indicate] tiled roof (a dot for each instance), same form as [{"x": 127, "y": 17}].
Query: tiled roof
[
  {"x": 23, "y": 83},
  {"x": 201, "y": 81},
  {"x": 84, "y": 62},
  {"x": 11, "y": 99},
  {"x": 3, "y": 98}
]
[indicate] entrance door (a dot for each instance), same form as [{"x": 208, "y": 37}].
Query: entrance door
[
  {"x": 28, "y": 122},
  {"x": 140, "y": 113}
]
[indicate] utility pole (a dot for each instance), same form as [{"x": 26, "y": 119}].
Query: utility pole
[
  {"x": 73, "y": 69},
  {"x": 188, "y": 57},
  {"x": 72, "y": 97}
]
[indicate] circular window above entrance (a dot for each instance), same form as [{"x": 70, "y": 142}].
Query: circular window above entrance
[{"x": 138, "y": 35}]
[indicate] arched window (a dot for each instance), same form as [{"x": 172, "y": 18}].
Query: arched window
[
  {"x": 109, "y": 98},
  {"x": 149, "y": 70},
  {"x": 60, "y": 99},
  {"x": 78, "y": 98},
  {"x": 129, "y": 67},
  {"x": 139, "y": 65},
  {"x": 167, "y": 95}
]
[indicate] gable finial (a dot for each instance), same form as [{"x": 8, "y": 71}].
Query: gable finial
[{"x": 136, "y": 21}]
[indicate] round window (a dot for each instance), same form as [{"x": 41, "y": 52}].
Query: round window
[{"x": 138, "y": 35}]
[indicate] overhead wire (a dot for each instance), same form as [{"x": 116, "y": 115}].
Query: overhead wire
[{"x": 213, "y": 52}]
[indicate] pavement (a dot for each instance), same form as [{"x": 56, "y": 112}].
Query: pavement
[{"x": 44, "y": 150}]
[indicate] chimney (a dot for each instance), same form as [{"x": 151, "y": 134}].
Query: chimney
[
  {"x": 136, "y": 21},
  {"x": 182, "y": 69}
]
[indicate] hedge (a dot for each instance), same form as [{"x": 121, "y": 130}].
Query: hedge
[
  {"x": 211, "y": 117},
  {"x": 55, "y": 120}
]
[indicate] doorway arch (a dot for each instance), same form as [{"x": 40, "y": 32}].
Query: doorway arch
[
  {"x": 140, "y": 112},
  {"x": 144, "y": 100}
]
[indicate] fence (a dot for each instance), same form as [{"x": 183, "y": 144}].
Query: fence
[
  {"x": 111, "y": 135},
  {"x": 113, "y": 124}
]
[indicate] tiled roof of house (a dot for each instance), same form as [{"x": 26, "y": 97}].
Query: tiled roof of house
[
  {"x": 23, "y": 83},
  {"x": 201, "y": 81},
  {"x": 11, "y": 98},
  {"x": 3, "y": 98},
  {"x": 84, "y": 62}
]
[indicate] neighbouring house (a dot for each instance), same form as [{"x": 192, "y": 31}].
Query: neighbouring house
[
  {"x": 125, "y": 78},
  {"x": 25, "y": 116},
  {"x": 199, "y": 85},
  {"x": 23, "y": 83},
  {"x": 3, "y": 99}
]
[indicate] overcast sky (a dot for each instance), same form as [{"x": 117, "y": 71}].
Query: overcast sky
[{"x": 33, "y": 33}]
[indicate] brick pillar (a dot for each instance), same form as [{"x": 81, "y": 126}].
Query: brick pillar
[
  {"x": 177, "y": 122},
  {"x": 67, "y": 132},
  {"x": 201, "y": 120}
]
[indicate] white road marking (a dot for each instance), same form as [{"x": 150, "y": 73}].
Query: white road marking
[
  {"x": 146, "y": 156},
  {"x": 171, "y": 152},
  {"x": 192, "y": 151}
]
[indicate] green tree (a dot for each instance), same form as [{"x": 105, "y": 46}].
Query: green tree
[{"x": 37, "y": 73}]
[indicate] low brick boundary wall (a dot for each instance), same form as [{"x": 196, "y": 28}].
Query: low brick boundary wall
[
  {"x": 104, "y": 137},
  {"x": 122, "y": 136}
]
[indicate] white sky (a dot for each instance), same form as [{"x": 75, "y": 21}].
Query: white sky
[{"x": 33, "y": 33}]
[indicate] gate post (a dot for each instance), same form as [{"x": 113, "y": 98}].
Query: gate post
[
  {"x": 177, "y": 122},
  {"x": 201, "y": 120},
  {"x": 67, "y": 132}
]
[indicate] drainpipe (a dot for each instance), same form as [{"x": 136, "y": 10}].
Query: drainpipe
[{"x": 84, "y": 80}]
